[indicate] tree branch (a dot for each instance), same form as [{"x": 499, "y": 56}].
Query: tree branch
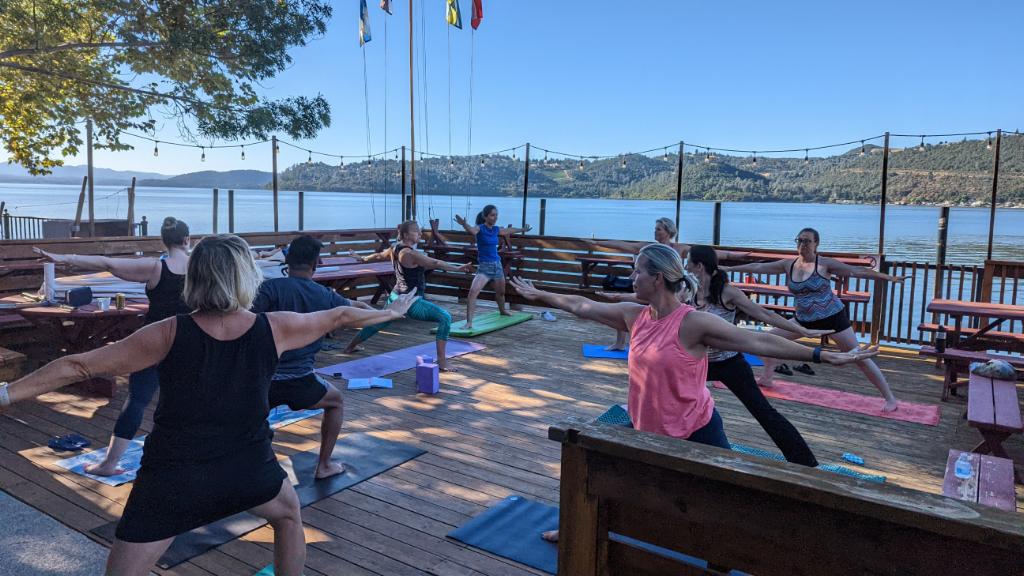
[{"x": 75, "y": 46}]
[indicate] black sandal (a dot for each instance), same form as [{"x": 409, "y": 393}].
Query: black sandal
[
  {"x": 784, "y": 370},
  {"x": 804, "y": 368}
]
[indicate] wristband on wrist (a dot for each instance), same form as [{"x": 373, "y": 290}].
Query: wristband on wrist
[
  {"x": 816, "y": 355},
  {"x": 5, "y": 397}
]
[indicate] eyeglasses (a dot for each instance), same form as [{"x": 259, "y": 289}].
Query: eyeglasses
[{"x": 803, "y": 241}]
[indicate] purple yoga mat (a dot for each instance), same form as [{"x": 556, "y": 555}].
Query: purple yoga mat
[{"x": 395, "y": 361}]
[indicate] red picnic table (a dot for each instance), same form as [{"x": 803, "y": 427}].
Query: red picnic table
[
  {"x": 84, "y": 328},
  {"x": 989, "y": 313},
  {"x": 777, "y": 290},
  {"x": 340, "y": 277}
]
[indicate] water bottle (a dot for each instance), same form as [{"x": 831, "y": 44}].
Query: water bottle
[
  {"x": 940, "y": 339},
  {"x": 963, "y": 468}
]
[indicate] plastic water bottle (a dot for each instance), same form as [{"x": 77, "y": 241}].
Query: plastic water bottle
[
  {"x": 940, "y": 339},
  {"x": 963, "y": 468}
]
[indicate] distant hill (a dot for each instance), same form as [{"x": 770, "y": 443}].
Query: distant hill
[
  {"x": 955, "y": 173},
  {"x": 73, "y": 175},
  {"x": 241, "y": 179}
]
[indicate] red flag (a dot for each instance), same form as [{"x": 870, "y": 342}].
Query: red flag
[{"x": 478, "y": 13}]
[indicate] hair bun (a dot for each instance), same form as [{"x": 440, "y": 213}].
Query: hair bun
[{"x": 170, "y": 222}]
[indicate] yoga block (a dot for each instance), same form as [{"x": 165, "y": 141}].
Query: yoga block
[
  {"x": 427, "y": 380},
  {"x": 424, "y": 359}
]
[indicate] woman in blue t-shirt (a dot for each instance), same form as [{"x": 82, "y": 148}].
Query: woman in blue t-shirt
[{"x": 489, "y": 266}]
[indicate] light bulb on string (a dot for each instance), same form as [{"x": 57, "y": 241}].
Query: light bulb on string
[
  {"x": 755, "y": 158},
  {"x": 156, "y": 148},
  {"x": 665, "y": 157},
  {"x": 623, "y": 161},
  {"x": 203, "y": 157},
  {"x": 513, "y": 153},
  {"x": 707, "y": 156},
  {"x": 243, "y": 152},
  {"x": 309, "y": 159},
  {"x": 481, "y": 161},
  {"x": 861, "y": 148},
  {"x": 806, "y": 159},
  {"x": 921, "y": 147},
  {"x": 451, "y": 162},
  {"x": 988, "y": 143}
]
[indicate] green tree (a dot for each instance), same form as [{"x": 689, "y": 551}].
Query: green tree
[{"x": 119, "y": 61}]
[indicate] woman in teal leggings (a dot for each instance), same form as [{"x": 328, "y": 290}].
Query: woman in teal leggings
[{"x": 410, "y": 276}]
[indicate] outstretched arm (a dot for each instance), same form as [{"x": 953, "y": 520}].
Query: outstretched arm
[
  {"x": 130, "y": 269},
  {"x": 620, "y": 297},
  {"x": 509, "y": 231},
  {"x": 710, "y": 330},
  {"x": 620, "y": 245},
  {"x": 842, "y": 269},
  {"x": 144, "y": 348},
  {"x": 420, "y": 259},
  {"x": 384, "y": 254},
  {"x": 470, "y": 229},
  {"x": 619, "y": 316},
  {"x": 293, "y": 330},
  {"x": 734, "y": 298},
  {"x": 774, "y": 267}
]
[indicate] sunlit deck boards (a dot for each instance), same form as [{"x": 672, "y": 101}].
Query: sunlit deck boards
[{"x": 485, "y": 436}]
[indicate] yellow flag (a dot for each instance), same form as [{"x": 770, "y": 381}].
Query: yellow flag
[{"x": 454, "y": 14}]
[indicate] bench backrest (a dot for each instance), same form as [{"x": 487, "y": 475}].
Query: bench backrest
[{"x": 757, "y": 515}]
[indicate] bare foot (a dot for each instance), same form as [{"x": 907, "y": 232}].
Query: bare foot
[
  {"x": 446, "y": 368},
  {"x": 504, "y": 312},
  {"x": 104, "y": 469},
  {"x": 328, "y": 470},
  {"x": 615, "y": 347},
  {"x": 550, "y": 535},
  {"x": 890, "y": 405},
  {"x": 353, "y": 349},
  {"x": 765, "y": 381}
]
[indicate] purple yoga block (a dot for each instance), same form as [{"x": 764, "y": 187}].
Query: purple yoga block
[{"x": 427, "y": 378}]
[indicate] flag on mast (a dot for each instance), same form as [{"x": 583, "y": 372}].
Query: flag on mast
[
  {"x": 364, "y": 23},
  {"x": 454, "y": 14},
  {"x": 478, "y": 13},
  {"x": 385, "y": 5}
]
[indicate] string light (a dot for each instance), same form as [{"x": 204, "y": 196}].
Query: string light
[
  {"x": 203, "y": 157},
  {"x": 988, "y": 144},
  {"x": 665, "y": 157},
  {"x": 921, "y": 147},
  {"x": 806, "y": 159},
  {"x": 341, "y": 161},
  {"x": 623, "y": 161},
  {"x": 243, "y": 152},
  {"x": 481, "y": 161},
  {"x": 581, "y": 163},
  {"x": 514, "y": 154},
  {"x": 755, "y": 158},
  {"x": 451, "y": 162},
  {"x": 707, "y": 156},
  {"x": 861, "y": 148},
  {"x": 309, "y": 159},
  {"x": 156, "y": 148}
]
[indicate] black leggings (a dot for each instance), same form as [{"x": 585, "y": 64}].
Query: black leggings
[{"x": 737, "y": 376}]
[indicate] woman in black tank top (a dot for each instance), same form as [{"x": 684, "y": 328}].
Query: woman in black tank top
[
  {"x": 165, "y": 279},
  {"x": 209, "y": 455}
]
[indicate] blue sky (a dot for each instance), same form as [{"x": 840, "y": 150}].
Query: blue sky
[{"x": 603, "y": 77}]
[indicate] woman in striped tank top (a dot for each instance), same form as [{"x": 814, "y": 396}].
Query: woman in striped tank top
[
  {"x": 668, "y": 362},
  {"x": 817, "y": 306}
]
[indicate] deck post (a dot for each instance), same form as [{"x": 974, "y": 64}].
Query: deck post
[
  {"x": 716, "y": 231},
  {"x": 92, "y": 187},
  {"x": 679, "y": 189},
  {"x": 402, "y": 207},
  {"x": 940, "y": 255},
  {"x": 526, "y": 182},
  {"x": 883, "y": 199},
  {"x": 216, "y": 205},
  {"x": 995, "y": 190},
  {"x": 273, "y": 164},
  {"x": 131, "y": 208},
  {"x": 76, "y": 228},
  {"x": 231, "y": 211},
  {"x": 878, "y": 299},
  {"x": 543, "y": 214},
  {"x": 302, "y": 205}
]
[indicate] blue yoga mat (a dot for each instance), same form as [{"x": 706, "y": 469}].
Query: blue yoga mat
[
  {"x": 598, "y": 351},
  {"x": 753, "y": 360},
  {"x": 512, "y": 528}
]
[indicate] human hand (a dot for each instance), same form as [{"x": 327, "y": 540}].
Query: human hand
[
  {"x": 402, "y": 304},
  {"x": 525, "y": 288},
  {"x": 855, "y": 355}
]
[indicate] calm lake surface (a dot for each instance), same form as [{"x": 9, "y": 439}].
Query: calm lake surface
[{"x": 910, "y": 233}]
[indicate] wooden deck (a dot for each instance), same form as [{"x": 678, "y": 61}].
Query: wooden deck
[{"x": 485, "y": 437}]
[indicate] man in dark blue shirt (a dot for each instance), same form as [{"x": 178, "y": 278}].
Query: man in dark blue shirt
[{"x": 295, "y": 383}]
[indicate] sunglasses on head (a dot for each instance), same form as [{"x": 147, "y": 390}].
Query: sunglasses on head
[{"x": 803, "y": 240}]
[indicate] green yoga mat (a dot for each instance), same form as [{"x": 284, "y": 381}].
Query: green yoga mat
[{"x": 487, "y": 323}]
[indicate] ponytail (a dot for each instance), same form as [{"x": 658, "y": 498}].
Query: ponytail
[
  {"x": 706, "y": 256},
  {"x": 719, "y": 280},
  {"x": 481, "y": 216}
]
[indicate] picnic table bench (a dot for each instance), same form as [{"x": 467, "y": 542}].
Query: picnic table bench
[
  {"x": 990, "y": 484},
  {"x": 993, "y": 409},
  {"x": 588, "y": 263},
  {"x": 1011, "y": 341},
  {"x": 339, "y": 278},
  {"x": 957, "y": 360}
]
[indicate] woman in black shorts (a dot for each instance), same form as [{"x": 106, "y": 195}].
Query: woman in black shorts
[
  {"x": 817, "y": 306},
  {"x": 209, "y": 455}
]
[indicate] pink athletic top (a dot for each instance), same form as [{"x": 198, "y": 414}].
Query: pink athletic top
[{"x": 667, "y": 390}]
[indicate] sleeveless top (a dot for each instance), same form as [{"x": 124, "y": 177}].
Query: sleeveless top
[
  {"x": 213, "y": 395},
  {"x": 727, "y": 314},
  {"x": 407, "y": 279},
  {"x": 814, "y": 297},
  {"x": 487, "y": 243},
  {"x": 165, "y": 299},
  {"x": 667, "y": 390}
]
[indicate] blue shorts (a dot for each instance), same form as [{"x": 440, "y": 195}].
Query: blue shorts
[{"x": 493, "y": 270}]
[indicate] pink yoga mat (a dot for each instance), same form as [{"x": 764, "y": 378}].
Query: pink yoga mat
[
  {"x": 849, "y": 401},
  {"x": 395, "y": 361}
]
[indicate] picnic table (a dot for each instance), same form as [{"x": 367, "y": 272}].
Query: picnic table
[
  {"x": 777, "y": 290},
  {"x": 994, "y": 410},
  {"x": 338, "y": 278},
  {"x": 588, "y": 263},
  {"x": 990, "y": 484},
  {"x": 989, "y": 313},
  {"x": 85, "y": 328}
]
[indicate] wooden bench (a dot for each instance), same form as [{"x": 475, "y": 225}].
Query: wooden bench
[
  {"x": 339, "y": 278},
  {"x": 12, "y": 364},
  {"x": 757, "y": 515},
  {"x": 588, "y": 263},
  {"x": 994, "y": 410},
  {"x": 1012, "y": 340},
  {"x": 990, "y": 484},
  {"x": 957, "y": 360}
]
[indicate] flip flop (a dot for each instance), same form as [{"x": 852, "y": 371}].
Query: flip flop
[
  {"x": 804, "y": 368},
  {"x": 784, "y": 370},
  {"x": 68, "y": 443}
]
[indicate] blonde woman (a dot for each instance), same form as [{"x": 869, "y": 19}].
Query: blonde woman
[{"x": 209, "y": 455}]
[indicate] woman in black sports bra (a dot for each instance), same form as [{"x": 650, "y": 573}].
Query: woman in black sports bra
[
  {"x": 209, "y": 455},
  {"x": 817, "y": 306},
  {"x": 165, "y": 280}
]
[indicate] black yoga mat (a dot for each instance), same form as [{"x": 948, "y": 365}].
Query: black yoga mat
[{"x": 364, "y": 457}]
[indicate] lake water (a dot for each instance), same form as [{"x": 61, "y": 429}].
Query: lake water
[{"x": 911, "y": 231}]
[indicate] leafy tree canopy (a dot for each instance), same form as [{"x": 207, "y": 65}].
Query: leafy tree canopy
[{"x": 117, "y": 61}]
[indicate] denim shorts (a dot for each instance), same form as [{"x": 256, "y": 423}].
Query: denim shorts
[{"x": 493, "y": 270}]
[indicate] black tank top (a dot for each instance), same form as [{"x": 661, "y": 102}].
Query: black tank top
[
  {"x": 165, "y": 299},
  {"x": 213, "y": 395},
  {"x": 407, "y": 279}
]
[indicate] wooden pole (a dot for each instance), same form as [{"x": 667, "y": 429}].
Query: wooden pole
[
  {"x": 76, "y": 228},
  {"x": 679, "y": 191},
  {"x": 231, "y": 211},
  {"x": 885, "y": 192},
  {"x": 412, "y": 127},
  {"x": 131, "y": 208},
  {"x": 92, "y": 187},
  {"x": 543, "y": 214},
  {"x": 995, "y": 190},
  {"x": 273, "y": 154},
  {"x": 526, "y": 182},
  {"x": 302, "y": 209},
  {"x": 940, "y": 254},
  {"x": 216, "y": 205},
  {"x": 716, "y": 230},
  {"x": 403, "y": 209}
]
